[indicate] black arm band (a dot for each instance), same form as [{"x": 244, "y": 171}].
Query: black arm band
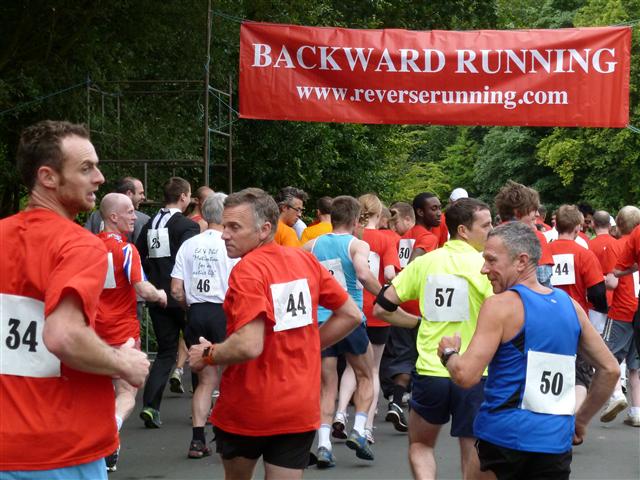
[
  {"x": 383, "y": 302},
  {"x": 597, "y": 295}
]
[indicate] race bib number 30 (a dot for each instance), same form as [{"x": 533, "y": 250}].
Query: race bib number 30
[
  {"x": 158, "y": 243},
  {"x": 550, "y": 384},
  {"x": 446, "y": 298},
  {"x": 564, "y": 272},
  {"x": 405, "y": 248},
  {"x": 22, "y": 351},
  {"x": 292, "y": 307}
]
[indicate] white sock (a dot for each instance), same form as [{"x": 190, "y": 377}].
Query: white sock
[
  {"x": 323, "y": 436},
  {"x": 617, "y": 394},
  {"x": 119, "y": 422},
  {"x": 359, "y": 422},
  {"x": 633, "y": 411}
]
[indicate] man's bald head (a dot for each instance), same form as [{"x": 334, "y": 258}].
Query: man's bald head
[
  {"x": 117, "y": 212},
  {"x": 601, "y": 220}
]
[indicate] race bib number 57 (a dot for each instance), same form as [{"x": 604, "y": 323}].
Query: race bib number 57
[
  {"x": 22, "y": 351},
  {"x": 292, "y": 307}
]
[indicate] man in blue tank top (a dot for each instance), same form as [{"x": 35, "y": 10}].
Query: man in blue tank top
[
  {"x": 528, "y": 335},
  {"x": 346, "y": 258}
]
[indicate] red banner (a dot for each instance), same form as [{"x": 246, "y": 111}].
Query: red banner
[{"x": 577, "y": 77}]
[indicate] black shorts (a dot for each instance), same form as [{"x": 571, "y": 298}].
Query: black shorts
[
  {"x": 205, "y": 320},
  {"x": 508, "y": 464},
  {"x": 402, "y": 351},
  {"x": 288, "y": 450},
  {"x": 378, "y": 335},
  {"x": 584, "y": 372},
  {"x": 436, "y": 399},
  {"x": 355, "y": 343}
]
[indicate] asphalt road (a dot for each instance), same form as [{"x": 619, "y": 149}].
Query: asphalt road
[{"x": 611, "y": 451}]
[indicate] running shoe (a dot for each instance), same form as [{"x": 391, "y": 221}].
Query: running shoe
[
  {"x": 359, "y": 443},
  {"x": 112, "y": 460},
  {"x": 632, "y": 420},
  {"x": 396, "y": 416},
  {"x": 325, "y": 458},
  {"x": 175, "y": 382},
  {"x": 197, "y": 449},
  {"x": 368, "y": 433},
  {"x": 615, "y": 405},
  {"x": 150, "y": 417},
  {"x": 339, "y": 425}
]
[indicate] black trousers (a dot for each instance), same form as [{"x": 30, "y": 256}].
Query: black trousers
[{"x": 167, "y": 324}]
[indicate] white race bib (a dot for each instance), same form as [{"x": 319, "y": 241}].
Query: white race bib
[
  {"x": 374, "y": 264},
  {"x": 22, "y": 351},
  {"x": 446, "y": 298},
  {"x": 158, "y": 242},
  {"x": 405, "y": 249},
  {"x": 334, "y": 265},
  {"x": 110, "y": 280},
  {"x": 636, "y": 283},
  {"x": 202, "y": 286},
  {"x": 598, "y": 320},
  {"x": 550, "y": 384},
  {"x": 292, "y": 307},
  {"x": 564, "y": 272}
]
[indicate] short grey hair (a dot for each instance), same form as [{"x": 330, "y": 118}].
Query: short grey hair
[
  {"x": 263, "y": 205},
  {"x": 519, "y": 238},
  {"x": 212, "y": 208}
]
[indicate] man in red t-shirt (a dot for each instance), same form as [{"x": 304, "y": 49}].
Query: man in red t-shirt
[
  {"x": 57, "y": 399},
  {"x": 116, "y": 320},
  {"x": 269, "y": 402},
  {"x": 601, "y": 244},
  {"x": 577, "y": 271},
  {"x": 618, "y": 333}
]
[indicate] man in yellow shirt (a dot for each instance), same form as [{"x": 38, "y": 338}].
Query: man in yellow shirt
[
  {"x": 290, "y": 201},
  {"x": 451, "y": 289},
  {"x": 323, "y": 214}
]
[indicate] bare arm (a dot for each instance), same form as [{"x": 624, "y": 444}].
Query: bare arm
[
  {"x": 399, "y": 317},
  {"x": 611, "y": 281},
  {"x": 417, "y": 252},
  {"x": 360, "y": 258},
  {"x": 68, "y": 337},
  {"x": 150, "y": 293},
  {"x": 244, "y": 344},
  {"x": 177, "y": 291},
  {"x": 389, "y": 273},
  {"x": 628, "y": 271},
  {"x": 340, "y": 323},
  {"x": 596, "y": 353},
  {"x": 309, "y": 245}
]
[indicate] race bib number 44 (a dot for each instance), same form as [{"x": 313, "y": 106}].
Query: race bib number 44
[
  {"x": 550, "y": 384},
  {"x": 446, "y": 298},
  {"x": 292, "y": 307},
  {"x": 22, "y": 351},
  {"x": 564, "y": 272}
]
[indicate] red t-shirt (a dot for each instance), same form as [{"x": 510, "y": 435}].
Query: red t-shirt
[
  {"x": 278, "y": 392},
  {"x": 631, "y": 252},
  {"x": 51, "y": 416},
  {"x": 384, "y": 252},
  {"x": 625, "y": 299},
  {"x": 116, "y": 320},
  {"x": 600, "y": 246},
  {"x": 441, "y": 231},
  {"x": 416, "y": 237},
  {"x": 575, "y": 269},
  {"x": 546, "y": 257}
]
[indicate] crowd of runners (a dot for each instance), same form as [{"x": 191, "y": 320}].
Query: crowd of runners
[{"x": 509, "y": 327}]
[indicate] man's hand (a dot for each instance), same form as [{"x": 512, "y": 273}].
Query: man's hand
[
  {"x": 579, "y": 433},
  {"x": 135, "y": 365},
  {"x": 454, "y": 342},
  {"x": 196, "y": 362},
  {"x": 162, "y": 301}
]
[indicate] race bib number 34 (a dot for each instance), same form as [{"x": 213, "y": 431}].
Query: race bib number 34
[
  {"x": 550, "y": 384},
  {"x": 292, "y": 307},
  {"x": 446, "y": 298},
  {"x": 22, "y": 351}
]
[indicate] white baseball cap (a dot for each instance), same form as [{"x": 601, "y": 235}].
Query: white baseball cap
[{"x": 458, "y": 193}]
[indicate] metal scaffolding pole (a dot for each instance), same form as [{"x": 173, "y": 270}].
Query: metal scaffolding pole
[{"x": 207, "y": 158}]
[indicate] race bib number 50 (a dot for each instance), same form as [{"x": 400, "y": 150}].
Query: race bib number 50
[
  {"x": 22, "y": 351},
  {"x": 292, "y": 307},
  {"x": 550, "y": 383}
]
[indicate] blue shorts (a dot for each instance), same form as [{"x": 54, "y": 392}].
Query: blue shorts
[
  {"x": 95, "y": 470},
  {"x": 355, "y": 343},
  {"x": 437, "y": 399}
]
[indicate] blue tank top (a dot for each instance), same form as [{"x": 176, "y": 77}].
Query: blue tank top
[
  {"x": 332, "y": 250},
  {"x": 551, "y": 325}
]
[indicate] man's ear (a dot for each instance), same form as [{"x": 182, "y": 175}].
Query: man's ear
[
  {"x": 48, "y": 177},
  {"x": 265, "y": 230}
]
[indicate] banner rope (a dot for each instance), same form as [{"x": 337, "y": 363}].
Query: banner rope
[
  {"x": 44, "y": 97},
  {"x": 633, "y": 129}
]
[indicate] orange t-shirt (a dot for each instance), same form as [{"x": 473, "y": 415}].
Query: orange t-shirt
[
  {"x": 278, "y": 392},
  {"x": 385, "y": 252},
  {"x": 286, "y": 236},
  {"x": 625, "y": 300},
  {"x": 314, "y": 231},
  {"x": 116, "y": 320},
  {"x": 56, "y": 417},
  {"x": 600, "y": 246},
  {"x": 586, "y": 268}
]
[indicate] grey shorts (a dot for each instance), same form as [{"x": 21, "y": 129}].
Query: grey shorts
[{"x": 619, "y": 338}]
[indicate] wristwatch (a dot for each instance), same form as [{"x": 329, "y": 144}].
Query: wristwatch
[{"x": 446, "y": 354}]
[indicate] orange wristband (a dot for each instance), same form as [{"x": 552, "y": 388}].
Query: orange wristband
[{"x": 207, "y": 354}]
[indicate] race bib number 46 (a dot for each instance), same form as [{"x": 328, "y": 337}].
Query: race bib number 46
[
  {"x": 292, "y": 307},
  {"x": 550, "y": 384},
  {"x": 22, "y": 351},
  {"x": 564, "y": 272},
  {"x": 446, "y": 299},
  {"x": 158, "y": 243}
]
